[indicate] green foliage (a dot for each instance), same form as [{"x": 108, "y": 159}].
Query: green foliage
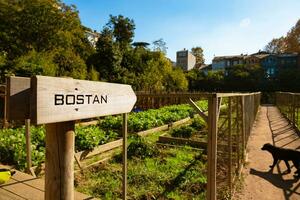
[
  {"x": 122, "y": 29},
  {"x": 183, "y": 131},
  {"x": 12, "y": 146},
  {"x": 69, "y": 64},
  {"x": 142, "y": 149},
  {"x": 198, "y": 123},
  {"x": 91, "y": 136},
  {"x": 175, "y": 173},
  {"x": 160, "y": 46},
  {"x": 148, "y": 119},
  {"x": 35, "y": 63},
  {"x": 198, "y": 53},
  {"x": 32, "y": 31}
]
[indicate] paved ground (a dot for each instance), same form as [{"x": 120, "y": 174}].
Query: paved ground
[{"x": 259, "y": 182}]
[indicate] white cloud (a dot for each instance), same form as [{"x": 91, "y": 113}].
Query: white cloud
[{"x": 245, "y": 22}]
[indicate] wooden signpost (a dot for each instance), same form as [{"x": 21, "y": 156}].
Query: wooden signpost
[{"x": 58, "y": 102}]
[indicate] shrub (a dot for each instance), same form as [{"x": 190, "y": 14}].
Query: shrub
[
  {"x": 183, "y": 131},
  {"x": 198, "y": 123},
  {"x": 142, "y": 149}
]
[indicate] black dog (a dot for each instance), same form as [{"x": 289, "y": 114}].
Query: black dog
[{"x": 285, "y": 155}]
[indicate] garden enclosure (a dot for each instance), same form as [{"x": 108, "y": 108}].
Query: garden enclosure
[{"x": 230, "y": 118}]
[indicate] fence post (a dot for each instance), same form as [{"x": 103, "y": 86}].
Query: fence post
[
  {"x": 124, "y": 130},
  {"x": 28, "y": 144},
  {"x": 212, "y": 147},
  {"x": 243, "y": 126},
  {"x": 229, "y": 146}
]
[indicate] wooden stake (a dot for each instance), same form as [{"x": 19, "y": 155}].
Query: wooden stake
[
  {"x": 59, "y": 183},
  {"x": 212, "y": 147},
  {"x": 28, "y": 145},
  {"x": 243, "y": 127},
  {"x": 124, "y": 156},
  {"x": 229, "y": 146}
]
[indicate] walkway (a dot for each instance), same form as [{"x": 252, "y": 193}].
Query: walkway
[
  {"x": 23, "y": 186},
  {"x": 259, "y": 182}
]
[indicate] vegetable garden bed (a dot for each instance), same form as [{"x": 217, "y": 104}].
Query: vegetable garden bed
[
  {"x": 12, "y": 141},
  {"x": 153, "y": 173}
]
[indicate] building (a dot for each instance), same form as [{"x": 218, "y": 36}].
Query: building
[
  {"x": 222, "y": 62},
  {"x": 185, "y": 59},
  {"x": 92, "y": 37},
  {"x": 271, "y": 63}
]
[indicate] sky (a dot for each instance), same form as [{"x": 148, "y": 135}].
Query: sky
[{"x": 220, "y": 27}]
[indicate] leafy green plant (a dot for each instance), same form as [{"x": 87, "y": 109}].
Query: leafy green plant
[
  {"x": 198, "y": 123},
  {"x": 183, "y": 131},
  {"x": 142, "y": 149},
  {"x": 92, "y": 136}
]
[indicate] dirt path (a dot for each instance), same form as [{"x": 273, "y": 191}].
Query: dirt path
[{"x": 259, "y": 182}]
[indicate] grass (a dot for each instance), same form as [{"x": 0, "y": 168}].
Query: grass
[{"x": 176, "y": 173}]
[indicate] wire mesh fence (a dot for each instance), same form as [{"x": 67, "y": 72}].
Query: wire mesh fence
[
  {"x": 235, "y": 122},
  {"x": 289, "y": 106}
]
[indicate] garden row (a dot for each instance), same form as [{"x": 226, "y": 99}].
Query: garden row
[{"x": 12, "y": 141}]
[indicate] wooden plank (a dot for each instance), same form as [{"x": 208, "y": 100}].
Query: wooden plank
[
  {"x": 199, "y": 111},
  {"x": 62, "y": 99},
  {"x": 124, "y": 169},
  {"x": 93, "y": 122},
  {"x": 100, "y": 149},
  {"x": 59, "y": 172},
  {"x": 18, "y": 98},
  {"x": 7, "y": 195},
  {"x": 182, "y": 141},
  {"x": 25, "y": 186},
  {"x": 236, "y": 94}
]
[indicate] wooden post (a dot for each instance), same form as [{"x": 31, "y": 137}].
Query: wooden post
[
  {"x": 212, "y": 147},
  {"x": 238, "y": 132},
  {"x": 59, "y": 183},
  {"x": 293, "y": 110},
  {"x": 243, "y": 127},
  {"x": 5, "y": 122},
  {"x": 28, "y": 145},
  {"x": 229, "y": 146},
  {"x": 124, "y": 130}
]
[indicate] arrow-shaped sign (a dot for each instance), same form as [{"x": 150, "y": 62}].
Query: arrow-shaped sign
[{"x": 64, "y": 99}]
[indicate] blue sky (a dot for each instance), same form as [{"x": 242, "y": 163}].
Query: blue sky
[{"x": 220, "y": 27}]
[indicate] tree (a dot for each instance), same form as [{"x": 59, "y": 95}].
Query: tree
[
  {"x": 122, "y": 29},
  {"x": 35, "y": 63},
  {"x": 160, "y": 45},
  {"x": 41, "y": 26},
  {"x": 198, "y": 53},
  {"x": 288, "y": 43},
  {"x": 277, "y": 45},
  {"x": 107, "y": 59}
]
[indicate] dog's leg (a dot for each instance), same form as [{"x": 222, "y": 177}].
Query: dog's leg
[
  {"x": 288, "y": 166},
  {"x": 275, "y": 160},
  {"x": 297, "y": 166}
]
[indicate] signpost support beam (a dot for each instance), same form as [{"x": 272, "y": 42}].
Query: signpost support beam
[{"x": 59, "y": 170}]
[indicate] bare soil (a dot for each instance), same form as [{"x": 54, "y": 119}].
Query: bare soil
[{"x": 259, "y": 182}]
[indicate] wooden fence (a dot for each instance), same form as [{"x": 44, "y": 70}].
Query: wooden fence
[
  {"x": 156, "y": 100},
  {"x": 289, "y": 105},
  {"x": 228, "y": 132}
]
